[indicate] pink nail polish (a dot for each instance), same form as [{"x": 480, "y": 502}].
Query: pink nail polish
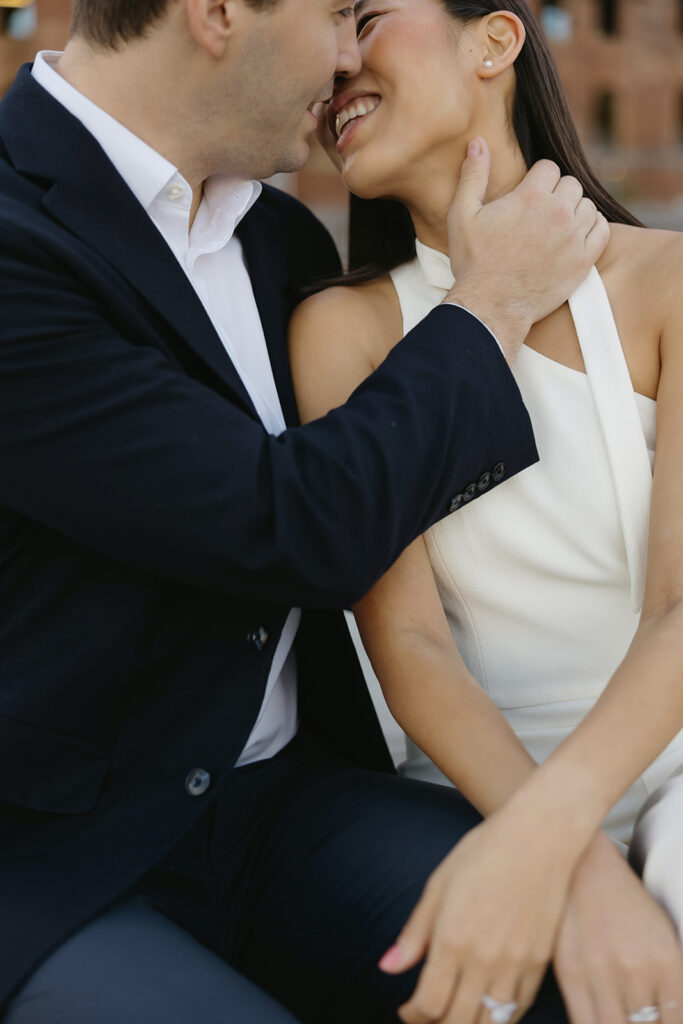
[{"x": 391, "y": 959}]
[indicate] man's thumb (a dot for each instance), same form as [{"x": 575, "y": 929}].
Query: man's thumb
[{"x": 474, "y": 176}]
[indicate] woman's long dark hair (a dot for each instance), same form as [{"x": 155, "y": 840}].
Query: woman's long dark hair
[{"x": 381, "y": 233}]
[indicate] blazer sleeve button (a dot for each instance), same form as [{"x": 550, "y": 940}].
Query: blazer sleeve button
[
  {"x": 258, "y": 638},
  {"x": 498, "y": 471},
  {"x": 470, "y": 492},
  {"x": 197, "y": 782},
  {"x": 484, "y": 482},
  {"x": 456, "y": 503}
]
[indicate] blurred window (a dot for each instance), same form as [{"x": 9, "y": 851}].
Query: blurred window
[
  {"x": 609, "y": 17},
  {"x": 604, "y": 118},
  {"x": 19, "y": 22},
  {"x": 556, "y": 21}
]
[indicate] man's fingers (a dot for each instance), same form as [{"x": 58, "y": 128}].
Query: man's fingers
[
  {"x": 544, "y": 175},
  {"x": 597, "y": 238},
  {"x": 474, "y": 178},
  {"x": 587, "y": 214},
  {"x": 570, "y": 191}
]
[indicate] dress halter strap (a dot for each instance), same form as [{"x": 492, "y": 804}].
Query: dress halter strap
[
  {"x": 622, "y": 430},
  {"x": 614, "y": 400}
]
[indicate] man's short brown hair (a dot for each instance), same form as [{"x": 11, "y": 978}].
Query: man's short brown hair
[{"x": 107, "y": 23}]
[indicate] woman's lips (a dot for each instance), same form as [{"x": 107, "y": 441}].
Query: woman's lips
[{"x": 346, "y": 126}]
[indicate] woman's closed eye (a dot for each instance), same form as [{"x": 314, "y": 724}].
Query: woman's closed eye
[{"x": 363, "y": 21}]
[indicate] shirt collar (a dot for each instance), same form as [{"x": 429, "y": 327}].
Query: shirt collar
[
  {"x": 147, "y": 173},
  {"x": 144, "y": 170}
]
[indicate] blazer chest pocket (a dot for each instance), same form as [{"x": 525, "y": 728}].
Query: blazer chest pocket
[{"x": 46, "y": 771}]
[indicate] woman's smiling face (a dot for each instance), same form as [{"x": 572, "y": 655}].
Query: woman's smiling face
[{"x": 414, "y": 100}]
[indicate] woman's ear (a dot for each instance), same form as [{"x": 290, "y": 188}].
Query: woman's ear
[
  {"x": 503, "y": 38},
  {"x": 210, "y": 23}
]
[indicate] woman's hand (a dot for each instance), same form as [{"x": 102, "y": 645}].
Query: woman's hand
[
  {"x": 617, "y": 951},
  {"x": 486, "y": 924}
]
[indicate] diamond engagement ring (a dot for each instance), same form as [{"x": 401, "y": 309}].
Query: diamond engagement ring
[
  {"x": 646, "y": 1013},
  {"x": 501, "y": 1013}
]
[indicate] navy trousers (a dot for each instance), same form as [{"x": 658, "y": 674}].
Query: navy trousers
[{"x": 274, "y": 913}]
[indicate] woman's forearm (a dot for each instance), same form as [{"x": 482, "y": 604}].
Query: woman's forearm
[
  {"x": 457, "y": 725},
  {"x": 446, "y": 712},
  {"x": 638, "y": 714}
]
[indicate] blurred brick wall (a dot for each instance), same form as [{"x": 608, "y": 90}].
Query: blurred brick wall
[{"x": 51, "y": 34}]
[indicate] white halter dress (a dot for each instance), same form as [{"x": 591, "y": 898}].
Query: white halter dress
[{"x": 542, "y": 578}]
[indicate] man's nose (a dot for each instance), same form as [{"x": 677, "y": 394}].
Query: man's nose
[{"x": 349, "y": 59}]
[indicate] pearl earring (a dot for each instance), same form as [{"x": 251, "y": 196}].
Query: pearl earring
[{"x": 488, "y": 64}]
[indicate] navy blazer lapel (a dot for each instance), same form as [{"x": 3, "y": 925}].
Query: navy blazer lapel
[
  {"x": 268, "y": 272},
  {"x": 91, "y": 199}
]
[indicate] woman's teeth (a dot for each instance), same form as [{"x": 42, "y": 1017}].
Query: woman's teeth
[{"x": 359, "y": 108}]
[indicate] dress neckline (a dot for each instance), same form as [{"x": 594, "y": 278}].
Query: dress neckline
[
  {"x": 436, "y": 267},
  {"x": 609, "y": 382}
]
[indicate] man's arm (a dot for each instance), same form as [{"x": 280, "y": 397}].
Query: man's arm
[{"x": 113, "y": 445}]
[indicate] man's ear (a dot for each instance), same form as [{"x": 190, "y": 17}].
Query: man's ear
[
  {"x": 503, "y": 37},
  {"x": 210, "y": 23}
]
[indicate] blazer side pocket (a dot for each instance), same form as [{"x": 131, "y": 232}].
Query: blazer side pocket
[{"x": 44, "y": 770}]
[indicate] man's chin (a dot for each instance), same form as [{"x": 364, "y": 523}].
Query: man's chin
[{"x": 295, "y": 158}]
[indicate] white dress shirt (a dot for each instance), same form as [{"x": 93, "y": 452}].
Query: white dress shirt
[{"x": 212, "y": 258}]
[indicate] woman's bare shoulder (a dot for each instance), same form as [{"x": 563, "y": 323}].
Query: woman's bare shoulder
[
  {"x": 648, "y": 260},
  {"x": 365, "y": 316},
  {"x": 337, "y": 338}
]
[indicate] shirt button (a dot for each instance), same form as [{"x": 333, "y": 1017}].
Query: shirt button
[
  {"x": 470, "y": 492},
  {"x": 498, "y": 471},
  {"x": 258, "y": 638},
  {"x": 484, "y": 481},
  {"x": 456, "y": 503},
  {"x": 197, "y": 782},
  {"x": 175, "y": 192}
]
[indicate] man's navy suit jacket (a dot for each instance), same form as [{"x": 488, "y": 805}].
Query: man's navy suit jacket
[{"x": 153, "y": 536}]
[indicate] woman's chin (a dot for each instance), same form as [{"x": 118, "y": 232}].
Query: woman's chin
[{"x": 365, "y": 180}]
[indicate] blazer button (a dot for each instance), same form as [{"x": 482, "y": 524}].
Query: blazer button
[
  {"x": 258, "y": 638},
  {"x": 498, "y": 471},
  {"x": 456, "y": 503},
  {"x": 197, "y": 782},
  {"x": 484, "y": 482},
  {"x": 470, "y": 492}
]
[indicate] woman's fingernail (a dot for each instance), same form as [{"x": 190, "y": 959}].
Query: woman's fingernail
[
  {"x": 474, "y": 148},
  {"x": 391, "y": 959}
]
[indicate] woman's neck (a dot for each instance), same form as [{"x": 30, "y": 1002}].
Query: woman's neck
[{"x": 429, "y": 198}]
